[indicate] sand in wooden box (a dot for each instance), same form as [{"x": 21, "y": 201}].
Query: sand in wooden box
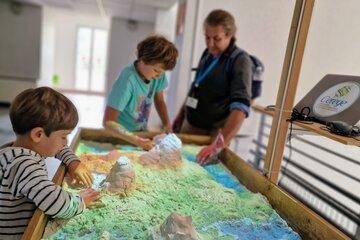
[{"x": 219, "y": 206}]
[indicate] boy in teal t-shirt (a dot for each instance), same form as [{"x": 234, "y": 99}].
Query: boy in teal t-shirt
[
  {"x": 131, "y": 96},
  {"x": 138, "y": 85}
]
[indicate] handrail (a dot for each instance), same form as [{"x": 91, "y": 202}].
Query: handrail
[
  {"x": 336, "y": 211},
  {"x": 315, "y": 159},
  {"x": 322, "y": 195},
  {"x": 317, "y": 177},
  {"x": 328, "y": 150}
]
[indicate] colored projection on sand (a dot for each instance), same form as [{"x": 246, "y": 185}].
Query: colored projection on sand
[{"x": 219, "y": 207}]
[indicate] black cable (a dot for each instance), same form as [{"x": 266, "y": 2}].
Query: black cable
[{"x": 303, "y": 117}]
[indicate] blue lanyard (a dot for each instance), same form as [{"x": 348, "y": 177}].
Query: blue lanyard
[{"x": 203, "y": 74}]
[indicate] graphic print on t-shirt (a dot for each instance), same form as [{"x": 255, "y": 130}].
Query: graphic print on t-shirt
[{"x": 143, "y": 111}]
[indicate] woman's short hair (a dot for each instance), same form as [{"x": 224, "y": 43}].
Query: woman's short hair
[
  {"x": 219, "y": 17},
  {"x": 42, "y": 107},
  {"x": 157, "y": 49}
]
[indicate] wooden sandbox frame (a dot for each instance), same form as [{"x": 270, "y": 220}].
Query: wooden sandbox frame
[{"x": 304, "y": 221}]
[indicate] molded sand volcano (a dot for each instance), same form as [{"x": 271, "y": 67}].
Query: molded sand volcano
[
  {"x": 176, "y": 227},
  {"x": 121, "y": 176},
  {"x": 165, "y": 154}
]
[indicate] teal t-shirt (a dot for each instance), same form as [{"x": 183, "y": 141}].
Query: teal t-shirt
[{"x": 132, "y": 97}]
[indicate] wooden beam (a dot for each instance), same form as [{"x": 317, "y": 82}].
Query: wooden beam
[
  {"x": 321, "y": 130},
  {"x": 287, "y": 89},
  {"x": 104, "y": 135},
  {"x": 304, "y": 221},
  {"x": 314, "y": 128},
  {"x": 262, "y": 109}
]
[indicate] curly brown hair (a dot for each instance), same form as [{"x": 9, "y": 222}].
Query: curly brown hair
[
  {"x": 42, "y": 107},
  {"x": 157, "y": 49}
]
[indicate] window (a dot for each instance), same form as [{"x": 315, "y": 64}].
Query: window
[{"x": 90, "y": 59}]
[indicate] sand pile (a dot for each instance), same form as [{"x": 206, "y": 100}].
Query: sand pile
[
  {"x": 165, "y": 154},
  {"x": 100, "y": 163},
  {"x": 121, "y": 176},
  {"x": 175, "y": 227}
]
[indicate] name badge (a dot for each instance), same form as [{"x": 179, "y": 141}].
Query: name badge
[{"x": 191, "y": 102}]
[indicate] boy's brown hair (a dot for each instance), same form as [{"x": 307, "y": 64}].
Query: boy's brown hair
[
  {"x": 157, "y": 49},
  {"x": 42, "y": 107}
]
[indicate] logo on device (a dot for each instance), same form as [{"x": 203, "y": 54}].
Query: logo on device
[{"x": 336, "y": 99}]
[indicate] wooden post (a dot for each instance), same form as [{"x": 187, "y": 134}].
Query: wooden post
[{"x": 287, "y": 89}]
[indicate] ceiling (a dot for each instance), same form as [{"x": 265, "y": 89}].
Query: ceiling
[{"x": 141, "y": 10}]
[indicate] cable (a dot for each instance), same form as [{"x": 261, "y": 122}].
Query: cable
[{"x": 303, "y": 117}]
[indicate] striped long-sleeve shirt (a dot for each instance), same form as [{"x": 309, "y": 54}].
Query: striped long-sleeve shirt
[{"x": 25, "y": 186}]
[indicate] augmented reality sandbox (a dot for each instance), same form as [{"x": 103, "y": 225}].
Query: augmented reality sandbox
[{"x": 204, "y": 203}]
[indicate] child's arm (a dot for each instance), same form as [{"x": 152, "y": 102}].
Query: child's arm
[
  {"x": 66, "y": 156},
  {"x": 110, "y": 122},
  {"x": 31, "y": 181},
  {"x": 161, "y": 108},
  {"x": 110, "y": 115},
  {"x": 120, "y": 132},
  {"x": 76, "y": 169}
]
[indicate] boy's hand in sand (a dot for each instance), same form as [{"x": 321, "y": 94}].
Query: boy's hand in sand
[
  {"x": 79, "y": 172},
  {"x": 88, "y": 196},
  {"x": 146, "y": 143}
]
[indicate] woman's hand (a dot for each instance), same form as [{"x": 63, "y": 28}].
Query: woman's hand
[{"x": 210, "y": 152}]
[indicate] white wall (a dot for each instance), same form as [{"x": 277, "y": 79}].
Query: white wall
[
  {"x": 47, "y": 49},
  {"x": 59, "y": 43},
  {"x": 122, "y": 46},
  {"x": 332, "y": 44},
  {"x": 165, "y": 23},
  {"x": 181, "y": 76},
  {"x": 19, "y": 49}
]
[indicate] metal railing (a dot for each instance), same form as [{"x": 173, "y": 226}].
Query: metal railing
[{"x": 314, "y": 187}]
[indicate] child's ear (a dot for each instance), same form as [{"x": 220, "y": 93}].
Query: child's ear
[{"x": 37, "y": 134}]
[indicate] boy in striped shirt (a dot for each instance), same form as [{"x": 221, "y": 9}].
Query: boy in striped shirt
[{"x": 41, "y": 118}]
